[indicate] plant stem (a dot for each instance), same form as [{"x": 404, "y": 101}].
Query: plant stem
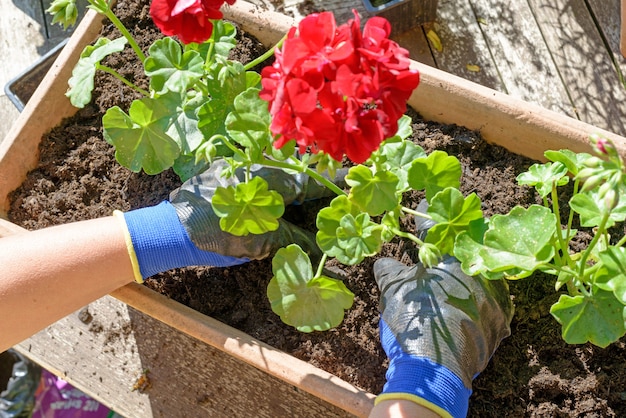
[
  {"x": 596, "y": 237},
  {"x": 320, "y": 266},
  {"x": 621, "y": 242},
  {"x": 265, "y": 56},
  {"x": 230, "y": 145},
  {"x": 564, "y": 244},
  {"x": 306, "y": 170},
  {"x": 120, "y": 26},
  {"x": 407, "y": 235},
  {"x": 117, "y": 75},
  {"x": 415, "y": 213}
]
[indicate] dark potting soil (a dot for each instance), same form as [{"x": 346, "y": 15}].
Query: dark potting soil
[{"x": 533, "y": 373}]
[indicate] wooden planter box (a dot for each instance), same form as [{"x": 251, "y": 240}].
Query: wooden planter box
[{"x": 282, "y": 383}]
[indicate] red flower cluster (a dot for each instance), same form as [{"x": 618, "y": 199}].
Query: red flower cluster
[
  {"x": 189, "y": 20},
  {"x": 337, "y": 90}
]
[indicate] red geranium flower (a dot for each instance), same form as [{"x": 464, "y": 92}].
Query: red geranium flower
[
  {"x": 336, "y": 89},
  {"x": 189, "y": 20}
]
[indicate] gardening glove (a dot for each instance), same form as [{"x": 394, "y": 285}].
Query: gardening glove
[
  {"x": 439, "y": 327},
  {"x": 185, "y": 231}
]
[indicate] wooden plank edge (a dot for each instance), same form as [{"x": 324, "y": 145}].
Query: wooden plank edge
[
  {"x": 242, "y": 346},
  {"x": 519, "y": 126},
  {"x": 48, "y": 106},
  {"x": 267, "y": 26}
]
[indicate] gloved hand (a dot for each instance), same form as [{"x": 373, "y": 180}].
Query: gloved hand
[
  {"x": 185, "y": 231},
  {"x": 439, "y": 327}
]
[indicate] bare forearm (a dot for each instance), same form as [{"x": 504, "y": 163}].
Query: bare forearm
[
  {"x": 401, "y": 409},
  {"x": 47, "y": 274}
]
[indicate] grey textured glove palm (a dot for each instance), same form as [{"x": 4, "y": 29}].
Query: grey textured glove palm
[
  {"x": 185, "y": 231},
  {"x": 439, "y": 328},
  {"x": 192, "y": 202}
]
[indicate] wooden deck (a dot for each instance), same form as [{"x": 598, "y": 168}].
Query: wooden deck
[{"x": 561, "y": 54}]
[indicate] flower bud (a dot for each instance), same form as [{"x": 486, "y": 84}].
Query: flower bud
[
  {"x": 592, "y": 162},
  {"x": 611, "y": 199},
  {"x": 63, "y": 12},
  {"x": 429, "y": 255},
  {"x": 603, "y": 146},
  {"x": 604, "y": 189},
  {"x": 591, "y": 183}
]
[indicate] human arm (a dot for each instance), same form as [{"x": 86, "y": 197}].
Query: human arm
[
  {"x": 400, "y": 408},
  {"x": 49, "y": 273}
]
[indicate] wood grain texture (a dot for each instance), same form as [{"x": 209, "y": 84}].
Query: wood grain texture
[
  {"x": 520, "y": 55},
  {"x": 463, "y": 45},
  {"x": 587, "y": 72},
  {"x": 608, "y": 16},
  {"x": 107, "y": 347}
]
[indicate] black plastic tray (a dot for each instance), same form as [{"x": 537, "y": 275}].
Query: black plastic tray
[{"x": 20, "y": 89}]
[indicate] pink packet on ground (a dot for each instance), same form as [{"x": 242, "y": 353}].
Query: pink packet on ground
[{"x": 55, "y": 398}]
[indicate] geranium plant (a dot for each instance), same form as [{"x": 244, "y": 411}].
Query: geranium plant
[
  {"x": 537, "y": 238},
  {"x": 337, "y": 92},
  {"x": 333, "y": 91}
]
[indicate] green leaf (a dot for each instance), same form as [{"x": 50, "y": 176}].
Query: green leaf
[
  {"x": 305, "y": 302},
  {"x": 573, "y": 161},
  {"x": 374, "y": 193},
  {"x": 399, "y": 157},
  {"x": 184, "y": 121},
  {"x": 249, "y": 123},
  {"x": 358, "y": 237},
  {"x": 598, "y": 319},
  {"x": 543, "y": 176},
  {"x": 81, "y": 82},
  {"x": 518, "y": 240},
  {"x": 612, "y": 274},
  {"x": 139, "y": 137},
  {"x": 170, "y": 69},
  {"x": 187, "y": 167},
  {"x": 223, "y": 39},
  {"x": 434, "y": 173},
  {"x": 453, "y": 214},
  {"x": 286, "y": 151},
  {"x": 591, "y": 209},
  {"x": 391, "y": 223},
  {"x": 328, "y": 221},
  {"x": 248, "y": 208},
  {"x": 225, "y": 82}
]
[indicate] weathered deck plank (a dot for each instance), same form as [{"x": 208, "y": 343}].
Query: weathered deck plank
[
  {"x": 463, "y": 45},
  {"x": 106, "y": 348},
  {"x": 520, "y": 55},
  {"x": 607, "y": 15},
  {"x": 580, "y": 56}
]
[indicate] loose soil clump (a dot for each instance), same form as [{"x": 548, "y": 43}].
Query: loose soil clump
[{"x": 533, "y": 373}]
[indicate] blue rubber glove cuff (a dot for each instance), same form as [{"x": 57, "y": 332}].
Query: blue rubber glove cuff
[
  {"x": 434, "y": 385},
  {"x": 161, "y": 242}
]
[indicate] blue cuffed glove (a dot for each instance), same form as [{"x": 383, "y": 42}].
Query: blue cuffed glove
[
  {"x": 185, "y": 231},
  {"x": 439, "y": 327},
  {"x": 161, "y": 243}
]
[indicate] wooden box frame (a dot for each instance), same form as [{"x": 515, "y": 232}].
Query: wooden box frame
[{"x": 519, "y": 126}]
